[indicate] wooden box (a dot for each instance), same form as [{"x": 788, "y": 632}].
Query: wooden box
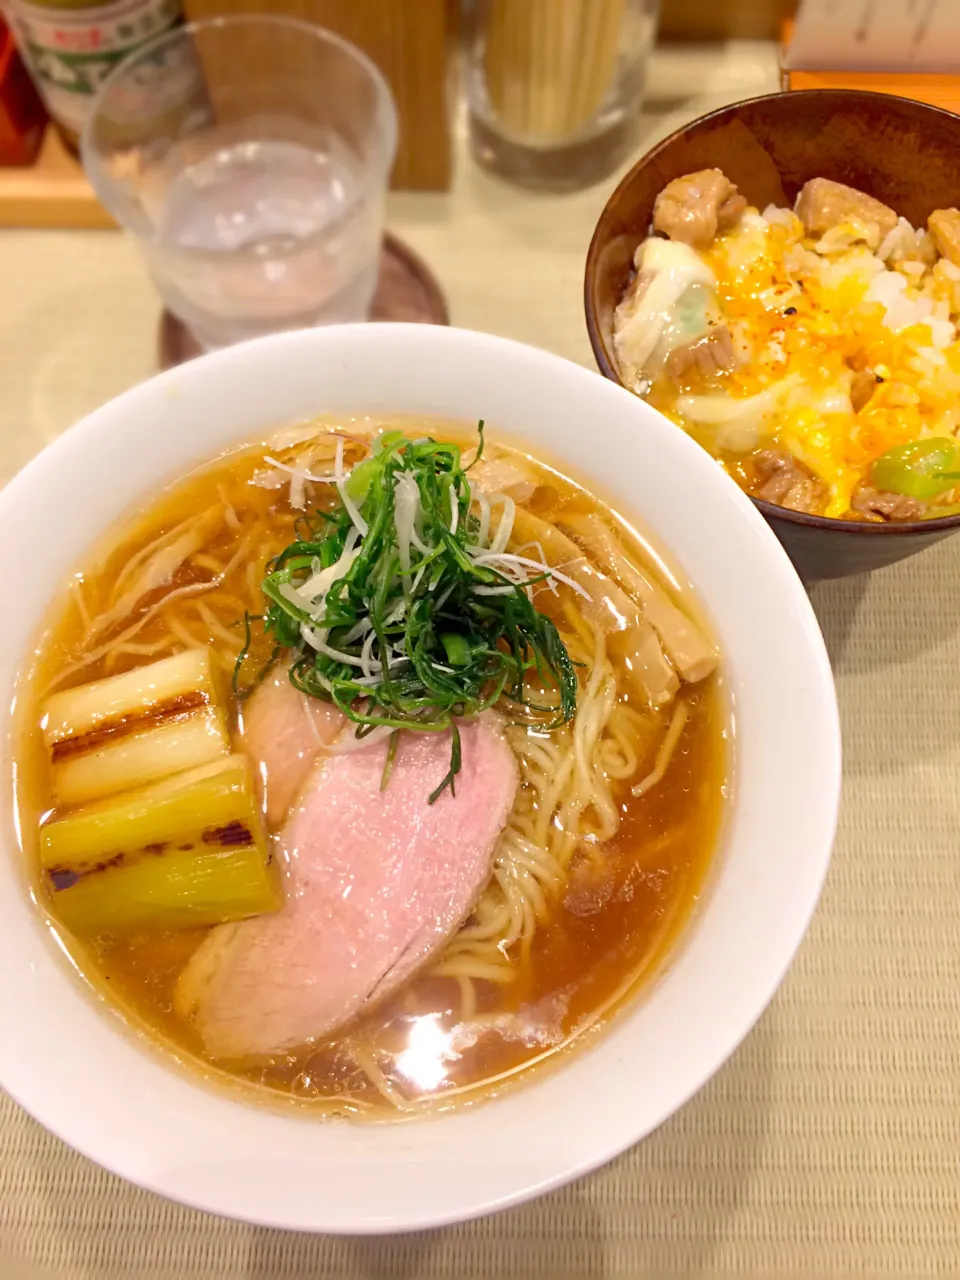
[{"x": 413, "y": 44}]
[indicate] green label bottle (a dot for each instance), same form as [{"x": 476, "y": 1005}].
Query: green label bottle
[{"x": 71, "y": 46}]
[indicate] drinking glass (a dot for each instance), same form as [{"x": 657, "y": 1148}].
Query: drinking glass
[
  {"x": 555, "y": 87},
  {"x": 249, "y": 159}
]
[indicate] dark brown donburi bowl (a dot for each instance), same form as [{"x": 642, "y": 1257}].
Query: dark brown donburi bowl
[{"x": 904, "y": 153}]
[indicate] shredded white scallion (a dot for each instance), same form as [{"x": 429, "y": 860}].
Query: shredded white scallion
[
  {"x": 368, "y": 663},
  {"x": 356, "y": 632},
  {"x": 543, "y": 560},
  {"x": 406, "y": 503},
  {"x": 505, "y": 527},
  {"x": 316, "y": 639},
  {"x": 351, "y": 507},
  {"x": 480, "y": 499},
  {"x": 396, "y": 613},
  {"x": 291, "y": 593},
  {"x": 298, "y": 479},
  {"x": 425, "y": 548},
  {"x": 319, "y": 583},
  {"x": 298, "y": 471},
  {"x": 500, "y": 559}
]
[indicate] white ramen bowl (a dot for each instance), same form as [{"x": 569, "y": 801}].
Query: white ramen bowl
[{"x": 115, "y": 1098}]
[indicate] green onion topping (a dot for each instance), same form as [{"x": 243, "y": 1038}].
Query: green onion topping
[{"x": 402, "y": 606}]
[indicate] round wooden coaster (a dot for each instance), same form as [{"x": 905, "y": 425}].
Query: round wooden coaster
[{"x": 407, "y": 290}]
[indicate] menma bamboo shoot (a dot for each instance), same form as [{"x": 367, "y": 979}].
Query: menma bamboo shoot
[{"x": 690, "y": 651}]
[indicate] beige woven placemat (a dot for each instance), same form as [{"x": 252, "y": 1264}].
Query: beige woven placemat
[{"x": 828, "y": 1147}]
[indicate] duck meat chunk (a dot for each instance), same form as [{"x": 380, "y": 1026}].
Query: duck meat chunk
[
  {"x": 823, "y": 204},
  {"x": 731, "y": 211},
  {"x": 896, "y": 507},
  {"x": 944, "y": 228},
  {"x": 704, "y": 357},
  {"x": 376, "y": 882},
  {"x": 784, "y": 480},
  {"x": 695, "y": 207}
]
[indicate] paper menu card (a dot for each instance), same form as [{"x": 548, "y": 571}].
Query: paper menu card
[{"x": 876, "y": 35}]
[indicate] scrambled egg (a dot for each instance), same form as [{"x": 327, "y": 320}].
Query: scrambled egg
[{"x": 806, "y": 315}]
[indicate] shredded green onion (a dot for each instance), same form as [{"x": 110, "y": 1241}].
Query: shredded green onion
[{"x": 384, "y": 611}]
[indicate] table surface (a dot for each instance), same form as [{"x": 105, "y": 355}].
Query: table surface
[{"x": 829, "y": 1145}]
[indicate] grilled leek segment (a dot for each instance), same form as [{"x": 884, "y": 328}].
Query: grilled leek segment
[
  {"x": 188, "y": 851},
  {"x": 129, "y": 730}
]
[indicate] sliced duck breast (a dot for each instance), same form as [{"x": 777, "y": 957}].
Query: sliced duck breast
[
  {"x": 376, "y": 882},
  {"x": 283, "y": 731}
]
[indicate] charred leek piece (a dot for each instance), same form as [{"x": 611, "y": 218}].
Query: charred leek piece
[
  {"x": 188, "y": 851},
  {"x": 131, "y": 729}
]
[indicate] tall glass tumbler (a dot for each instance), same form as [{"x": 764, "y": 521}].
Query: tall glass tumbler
[
  {"x": 555, "y": 87},
  {"x": 249, "y": 158}
]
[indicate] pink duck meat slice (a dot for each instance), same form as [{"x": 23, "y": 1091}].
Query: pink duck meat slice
[
  {"x": 283, "y": 731},
  {"x": 376, "y": 882}
]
